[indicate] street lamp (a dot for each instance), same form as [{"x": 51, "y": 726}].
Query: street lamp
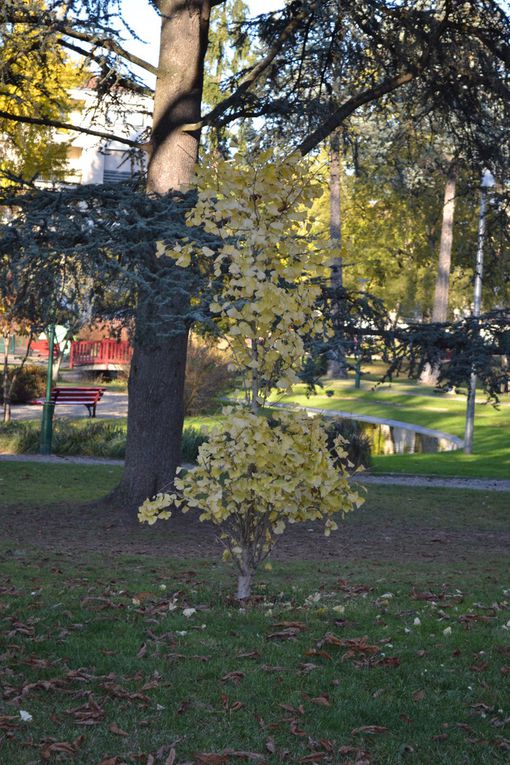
[
  {"x": 49, "y": 405},
  {"x": 487, "y": 183}
]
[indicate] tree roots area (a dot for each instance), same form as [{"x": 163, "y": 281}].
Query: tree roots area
[{"x": 395, "y": 523}]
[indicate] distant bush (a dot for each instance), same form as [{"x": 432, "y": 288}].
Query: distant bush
[
  {"x": 358, "y": 442},
  {"x": 30, "y": 383},
  {"x": 87, "y": 439},
  {"x": 208, "y": 378}
]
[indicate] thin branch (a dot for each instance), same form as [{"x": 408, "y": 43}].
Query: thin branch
[
  {"x": 54, "y": 25},
  {"x": 68, "y": 126},
  {"x": 339, "y": 115},
  {"x": 124, "y": 82}
]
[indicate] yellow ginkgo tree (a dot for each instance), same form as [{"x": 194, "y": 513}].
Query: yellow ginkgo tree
[{"x": 257, "y": 475}]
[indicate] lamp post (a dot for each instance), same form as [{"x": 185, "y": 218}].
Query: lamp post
[
  {"x": 49, "y": 405},
  {"x": 486, "y": 184}
]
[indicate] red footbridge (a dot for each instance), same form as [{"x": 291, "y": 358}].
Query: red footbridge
[{"x": 100, "y": 354}]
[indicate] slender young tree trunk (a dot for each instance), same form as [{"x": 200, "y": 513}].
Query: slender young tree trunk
[
  {"x": 337, "y": 367},
  {"x": 440, "y": 307},
  {"x": 244, "y": 579},
  {"x": 156, "y": 381},
  {"x": 5, "y": 386}
]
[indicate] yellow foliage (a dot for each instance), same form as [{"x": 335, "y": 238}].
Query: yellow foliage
[
  {"x": 267, "y": 301},
  {"x": 256, "y": 476}
]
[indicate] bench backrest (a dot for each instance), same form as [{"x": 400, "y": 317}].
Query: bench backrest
[{"x": 77, "y": 395}]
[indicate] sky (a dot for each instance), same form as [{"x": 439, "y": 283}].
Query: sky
[{"x": 146, "y": 24}]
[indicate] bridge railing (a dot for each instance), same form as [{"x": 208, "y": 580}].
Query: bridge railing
[{"x": 99, "y": 353}]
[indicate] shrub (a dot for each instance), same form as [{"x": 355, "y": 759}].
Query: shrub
[
  {"x": 256, "y": 476},
  {"x": 30, "y": 383},
  {"x": 208, "y": 378},
  {"x": 88, "y": 439},
  {"x": 357, "y": 444}
]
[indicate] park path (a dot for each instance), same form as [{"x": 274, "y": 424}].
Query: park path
[
  {"x": 114, "y": 405},
  {"x": 479, "y": 484}
]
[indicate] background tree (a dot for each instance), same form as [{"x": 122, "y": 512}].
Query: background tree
[
  {"x": 382, "y": 48},
  {"x": 35, "y": 78}
]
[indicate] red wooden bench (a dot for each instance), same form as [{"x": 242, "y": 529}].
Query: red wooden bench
[{"x": 89, "y": 397}]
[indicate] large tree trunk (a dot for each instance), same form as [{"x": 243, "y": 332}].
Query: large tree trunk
[
  {"x": 156, "y": 381},
  {"x": 337, "y": 367},
  {"x": 440, "y": 307}
]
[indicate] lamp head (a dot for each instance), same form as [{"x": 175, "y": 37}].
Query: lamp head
[{"x": 488, "y": 180}]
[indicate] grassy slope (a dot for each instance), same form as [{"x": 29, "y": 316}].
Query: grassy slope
[{"x": 409, "y": 403}]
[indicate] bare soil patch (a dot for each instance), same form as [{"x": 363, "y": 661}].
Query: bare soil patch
[{"x": 366, "y": 534}]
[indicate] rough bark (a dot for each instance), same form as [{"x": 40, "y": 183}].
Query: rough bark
[
  {"x": 156, "y": 382},
  {"x": 441, "y": 293},
  {"x": 337, "y": 367}
]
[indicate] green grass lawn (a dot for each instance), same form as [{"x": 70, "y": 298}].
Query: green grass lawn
[
  {"x": 332, "y": 664},
  {"x": 421, "y": 406},
  {"x": 128, "y": 658}
]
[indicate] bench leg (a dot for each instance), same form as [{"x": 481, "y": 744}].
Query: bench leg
[{"x": 92, "y": 409}]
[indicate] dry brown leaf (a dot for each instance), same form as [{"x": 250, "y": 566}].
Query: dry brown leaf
[
  {"x": 248, "y": 655},
  {"x": 142, "y": 651},
  {"x": 296, "y": 730},
  {"x": 62, "y": 747},
  {"x": 88, "y": 714},
  {"x": 290, "y": 633},
  {"x": 233, "y": 677},
  {"x": 293, "y": 625},
  {"x": 171, "y": 757},
  {"x": 300, "y": 710},
  {"x": 114, "y": 728},
  {"x": 370, "y": 729},
  {"x": 418, "y": 695},
  {"x": 270, "y": 745}
]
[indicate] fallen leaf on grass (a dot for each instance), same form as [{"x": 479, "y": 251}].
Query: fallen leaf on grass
[
  {"x": 359, "y": 753},
  {"x": 88, "y": 714},
  {"x": 316, "y": 652},
  {"x": 114, "y": 728},
  {"x": 290, "y": 633},
  {"x": 248, "y": 655},
  {"x": 142, "y": 652},
  {"x": 270, "y": 745},
  {"x": 322, "y": 700},
  {"x": 418, "y": 695},
  {"x": 206, "y": 758},
  {"x": 315, "y": 757},
  {"x": 371, "y": 730},
  {"x": 300, "y": 710},
  {"x": 171, "y": 757},
  {"x": 9, "y": 722},
  {"x": 296, "y": 730},
  {"x": 481, "y": 667},
  {"x": 61, "y": 747},
  {"x": 271, "y": 668},
  {"x": 233, "y": 677},
  {"x": 111, "y": 761}
]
